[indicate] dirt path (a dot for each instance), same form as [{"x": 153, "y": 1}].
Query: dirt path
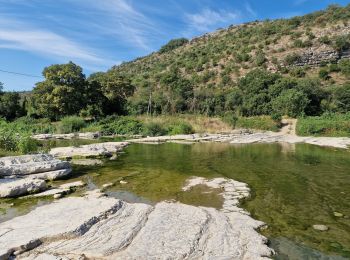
[{"x": 289, "y": 126}]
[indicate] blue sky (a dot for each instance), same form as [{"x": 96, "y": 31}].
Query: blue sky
[{"x": 97, "y": 34}]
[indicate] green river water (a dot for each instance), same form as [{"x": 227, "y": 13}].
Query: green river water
[{"x": 293, "y": 187}]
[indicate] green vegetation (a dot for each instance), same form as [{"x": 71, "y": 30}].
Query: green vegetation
[
  {"x": 325, "y": 125},
  {"x": 173, "y": 44}
]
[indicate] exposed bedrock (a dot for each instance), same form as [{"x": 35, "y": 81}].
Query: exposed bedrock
[
  {"x": 107, "y": 228},
  {"x": 92, "y": 150},
  {"x": 21, "y": 175}
]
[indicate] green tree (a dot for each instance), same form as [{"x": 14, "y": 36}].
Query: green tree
[
  {"x": 342, "y": 98},
  {"x": 173, "y": 44},
  {"x": 113, "y": 89},
  {"x": 291, "y": 102},
  {"x": 10, "y": 107},
  {"x": 62, "y": 92}
]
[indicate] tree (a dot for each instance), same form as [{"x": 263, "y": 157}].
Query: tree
[
  {"x": 255, "y": 88},
  {"x": 62, "y": 92},
  {"x": 173, "y": 44},
  {"x": 10, "y": 107},
  {"x": 291, "y": 102},
  {"x": 342, "y": 98},
  {"x": 115, "y": 88}
]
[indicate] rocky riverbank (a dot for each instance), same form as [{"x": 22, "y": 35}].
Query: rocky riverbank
[
  {"x": 247, "y": 137},
  {"x": 100, "y": 227}
]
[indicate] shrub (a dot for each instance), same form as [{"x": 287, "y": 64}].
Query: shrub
[
  {"x": 70, "y": 124},
  {"x": 154, "y": 129},
  {"x": 180, "y": 128},
  {"x": 291, "y": 102},
  {"x": 258, "y": 122},
  {"x": 325, "y": 125},
  {"x": 121, "y": 126},
  {"x": 27, "y": 145},
  {"x": 290, "y": 59},
  {"x": 324, "y": 74},
  {"x": 344, "y": 66}
]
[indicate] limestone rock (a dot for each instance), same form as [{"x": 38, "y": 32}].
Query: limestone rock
[
  {"x": 30, "y": 164},
  {"x": 63, "y": 219},
  {"x": 108, "y": 228},
  {"x": 320, "y": 227},
  {"x": 91, "y": 150},
  {"x": 10, "y": 188},
  {"x": 86, "y": 162}
]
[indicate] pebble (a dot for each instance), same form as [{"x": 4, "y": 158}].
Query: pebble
[
  {"x": 58, "y": 196},
  {"x": 338, "y": 214},
  {"x": 320, "y": 227},
  {"x": 107, "y": 185},
  {"x": 123, "y": 182}
]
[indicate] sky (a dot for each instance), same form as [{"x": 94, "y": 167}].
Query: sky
[{"x": 97, "y": 34}]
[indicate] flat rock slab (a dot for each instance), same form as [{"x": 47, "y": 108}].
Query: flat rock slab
[
  {"x": 30, "y": 164},
  {"x": 10, "y": 188},
  {"x": 97, "y": 227},
  {"x": 66, "y": 218},
  {"x": 91, "y": 150}
]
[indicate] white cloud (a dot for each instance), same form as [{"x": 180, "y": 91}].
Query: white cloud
[
  {"x": 17, "y": 35},
  {"x": 120, "y": 19},
  {"x": 208, "y": 20}
]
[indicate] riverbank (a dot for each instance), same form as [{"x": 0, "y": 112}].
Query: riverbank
[{"x": 247, "y": 137}]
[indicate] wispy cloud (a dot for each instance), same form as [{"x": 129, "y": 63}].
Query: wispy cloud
[
  {"x": 121, "y": 19},
  {"x": 19, "y": 36},
  {"x": 250, "y": 10},
  {"x": 208, "y": 19}
]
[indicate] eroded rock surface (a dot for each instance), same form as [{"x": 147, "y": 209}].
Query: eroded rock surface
[
  {"x": 87, "y": 135},
  {"x": 21, "y": 175},
  {"x": 91, "y": 150},
  {"x": 107, "y": 228},
  {"x": 18, "y": 187}
]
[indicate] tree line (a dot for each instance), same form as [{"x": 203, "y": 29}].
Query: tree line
[{"x": 67, "y": 91}]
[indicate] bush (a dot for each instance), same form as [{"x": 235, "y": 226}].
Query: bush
[
  {"x": 325, "y": 125},
  {"x": 154, "y": 129},
  {"x": 290, "y": 59},
  {"x": 258, "y": 122},
  {"x": 180, "y": 128},
  {"x": 70, "y": 124},
  {"x": 27, "y": 145},
  {"x": 121, "y": 126},
  {"x": 344, "y": 66},
  {"x": 291, "y": 102},
  {"x": 324, "y": 74}
]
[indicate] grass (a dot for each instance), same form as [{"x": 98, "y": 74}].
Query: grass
[
  {"x": 332, "y": 125},
  {"x": 256, "y": 122}
]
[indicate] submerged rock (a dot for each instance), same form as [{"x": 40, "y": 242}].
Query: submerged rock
[
  {"x": 86, "y": 162},
  {"x": 320, "y": 227},
  {"x": 91, "y": 150},
  {"x": 101, "y": 227}
]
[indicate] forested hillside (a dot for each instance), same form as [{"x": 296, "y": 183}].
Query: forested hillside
[{"x": 289, "y": 56}]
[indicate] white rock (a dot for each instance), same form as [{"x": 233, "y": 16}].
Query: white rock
[
  {"x": 52, "y": 175},
  {"x": 107, "y": 185},
  {"x": 91, "y": 150},
  {"x": 19, "y": 187},
  {"x": 72, "y": 185},
  {"x": 166, "y": 231},
  {"x": 30, "y": 164},
  {"x": 320, "y": 227},
  {"x": 65, "y": 218},
  {"x": 123, "y": 182}
]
